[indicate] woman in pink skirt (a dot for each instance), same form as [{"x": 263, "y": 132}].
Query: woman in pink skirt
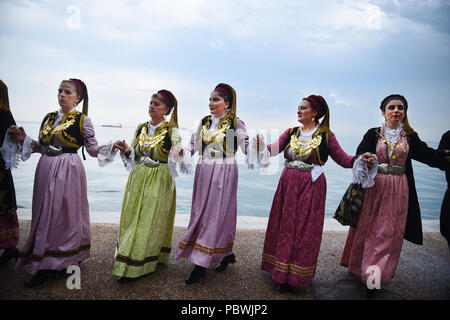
[
  {"x": 294, "y": 230},
  {"x": 209, "y": 238},
  {"x": 390, "y": 211},
  {"x": 60, "y": 224}
]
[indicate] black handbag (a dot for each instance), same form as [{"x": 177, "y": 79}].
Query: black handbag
[{"x": 349, "y": 209}]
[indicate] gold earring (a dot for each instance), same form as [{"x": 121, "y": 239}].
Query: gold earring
[{"x": 313, "y": 118}]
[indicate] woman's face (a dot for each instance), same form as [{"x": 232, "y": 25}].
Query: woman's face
[
  {"x": 217, "y": 105},
  {"x": 157, "y": 108},
  {"x": 394, "y": 112},
  {"x": 67, "y": 96},
  {"x": 305, "y": 112}
]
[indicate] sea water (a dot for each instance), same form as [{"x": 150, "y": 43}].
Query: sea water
[{"x": 255, "y": 189}]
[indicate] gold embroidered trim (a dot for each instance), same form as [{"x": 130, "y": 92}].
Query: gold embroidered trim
[
  {"x": 9, "y": 233},
  {"x": 146, "y": 142},
  {"x": 205, "y": 249},
  {"x": 56, "y": 253},
  {"x": 140, "y": 263},
  {"x": 218, "y": 135},
  {"x": 47, "y": 132},
  {"x": 287, "y": 267}
]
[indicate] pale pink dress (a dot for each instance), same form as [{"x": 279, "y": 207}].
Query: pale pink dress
[
  {"x": 60, "y": 223},
  {"x": 378, "y": 238}
]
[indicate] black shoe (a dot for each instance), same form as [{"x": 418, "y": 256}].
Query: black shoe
[
  {"x": 370, "y": 293},
  {"x": 284, "y": 288},
  {"x": 196, "y": 274},
  {"x": 125, "y": 280},
  {"x": 41, "y": 277},
  {"x": 8, "y": 255},
  {"x": 225, "y": 261}
]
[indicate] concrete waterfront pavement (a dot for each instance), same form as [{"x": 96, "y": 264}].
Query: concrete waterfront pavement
[{"x": 423, "y": 272}]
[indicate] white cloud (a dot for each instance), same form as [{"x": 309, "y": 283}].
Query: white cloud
[
  {"x": 337, "y": 99},
  {"x": 216, "y": 43}
]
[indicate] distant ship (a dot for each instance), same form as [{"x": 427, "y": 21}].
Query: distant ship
[{"x": 112, "y": 125}]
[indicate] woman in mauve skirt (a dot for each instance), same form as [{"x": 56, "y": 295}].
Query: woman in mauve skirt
[{"x": 210, "y": 236}]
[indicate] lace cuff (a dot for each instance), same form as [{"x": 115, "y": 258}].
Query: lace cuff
[
  {"x": 106, "y": 154},
  {"x": 10, "y": 151},
  {"x": 362, "y": 174},
  {"x": 27, "y": 148},
  {"x": 184, "y": 162},
  {"x": 261, "y": 158},
  {"x": 128, "y": 162}
]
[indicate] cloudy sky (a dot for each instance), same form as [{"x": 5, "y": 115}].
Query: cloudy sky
[{"x": 273, "y": 53}]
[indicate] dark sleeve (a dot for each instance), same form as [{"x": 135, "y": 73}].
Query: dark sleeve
[
  {"x": 444, "y": 144},
  {"x": 6, "y": 120},
  {"x": 420, "y": 151},
  {"x": 368, "y": 143}
]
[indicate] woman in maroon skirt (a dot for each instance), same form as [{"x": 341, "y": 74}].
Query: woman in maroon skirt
[{"x": 294, "y": 230}]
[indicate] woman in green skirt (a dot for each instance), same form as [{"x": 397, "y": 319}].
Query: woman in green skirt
[{"x": 148, "y": 209}]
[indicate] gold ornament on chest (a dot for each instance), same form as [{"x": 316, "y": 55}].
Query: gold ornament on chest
[
  {"x": 303, "y": 148},
  {"x": 147, "y": 142},
  {"x": 217, "y": 135},
  {"x": 392, "y": 147},
  {"x": 48, "y": 131}
]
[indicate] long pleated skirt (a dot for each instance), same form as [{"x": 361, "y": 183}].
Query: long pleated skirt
[
  {"x": 60, "y": 224},
  {"x": 294, "y": 229},
  {"x": 9, "y": 230},
  {"x": 146, "y": 222},
  {"x": 212, "y": 226},
  {"x": 376, "y": 243}
]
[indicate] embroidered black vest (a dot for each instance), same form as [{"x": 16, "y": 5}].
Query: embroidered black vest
[
  {"x": 322, "y": 150},
  {"x": 69, "y": 130},
  {"x": 164, "y": 146},
  {"x": 225, "y": 121}
]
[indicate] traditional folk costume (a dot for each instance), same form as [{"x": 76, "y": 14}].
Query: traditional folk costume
[
  {"x": 444, "y": 145},
  {"x": 294, "y": 230},
  {"x": 212, "y": 225},
  {"x": 390, "y": 210},
  {"x": 9, "y": 225},
  {"x": 148, "y": 209},
  {"x": 60, "y": 223}
]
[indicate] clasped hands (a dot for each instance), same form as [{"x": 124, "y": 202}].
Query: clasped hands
[
  {"x": 258, "y": 142},
  {"x": 17, "y": 133},
  {"x": 122, "y": 146},
  {"x": 367, "y": 157}
]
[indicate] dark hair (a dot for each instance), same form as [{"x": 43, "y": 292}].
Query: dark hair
[
  {"x": 82, "y": 92},
  {"x": 319, "y": 105},
  {"x": 223, "y": 95},
  {"x": 386, "y": 100},
  {"x": 166, "y": 94},
  {"x": 221, "y": 88}
]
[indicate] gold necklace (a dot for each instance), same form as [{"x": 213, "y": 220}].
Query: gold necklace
[
  {"x": 303, "y": 148},
  {"x": 391, "y": 147},
  {"x": 217, "y": 135},
  {"x": 147, "y": 142}
]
